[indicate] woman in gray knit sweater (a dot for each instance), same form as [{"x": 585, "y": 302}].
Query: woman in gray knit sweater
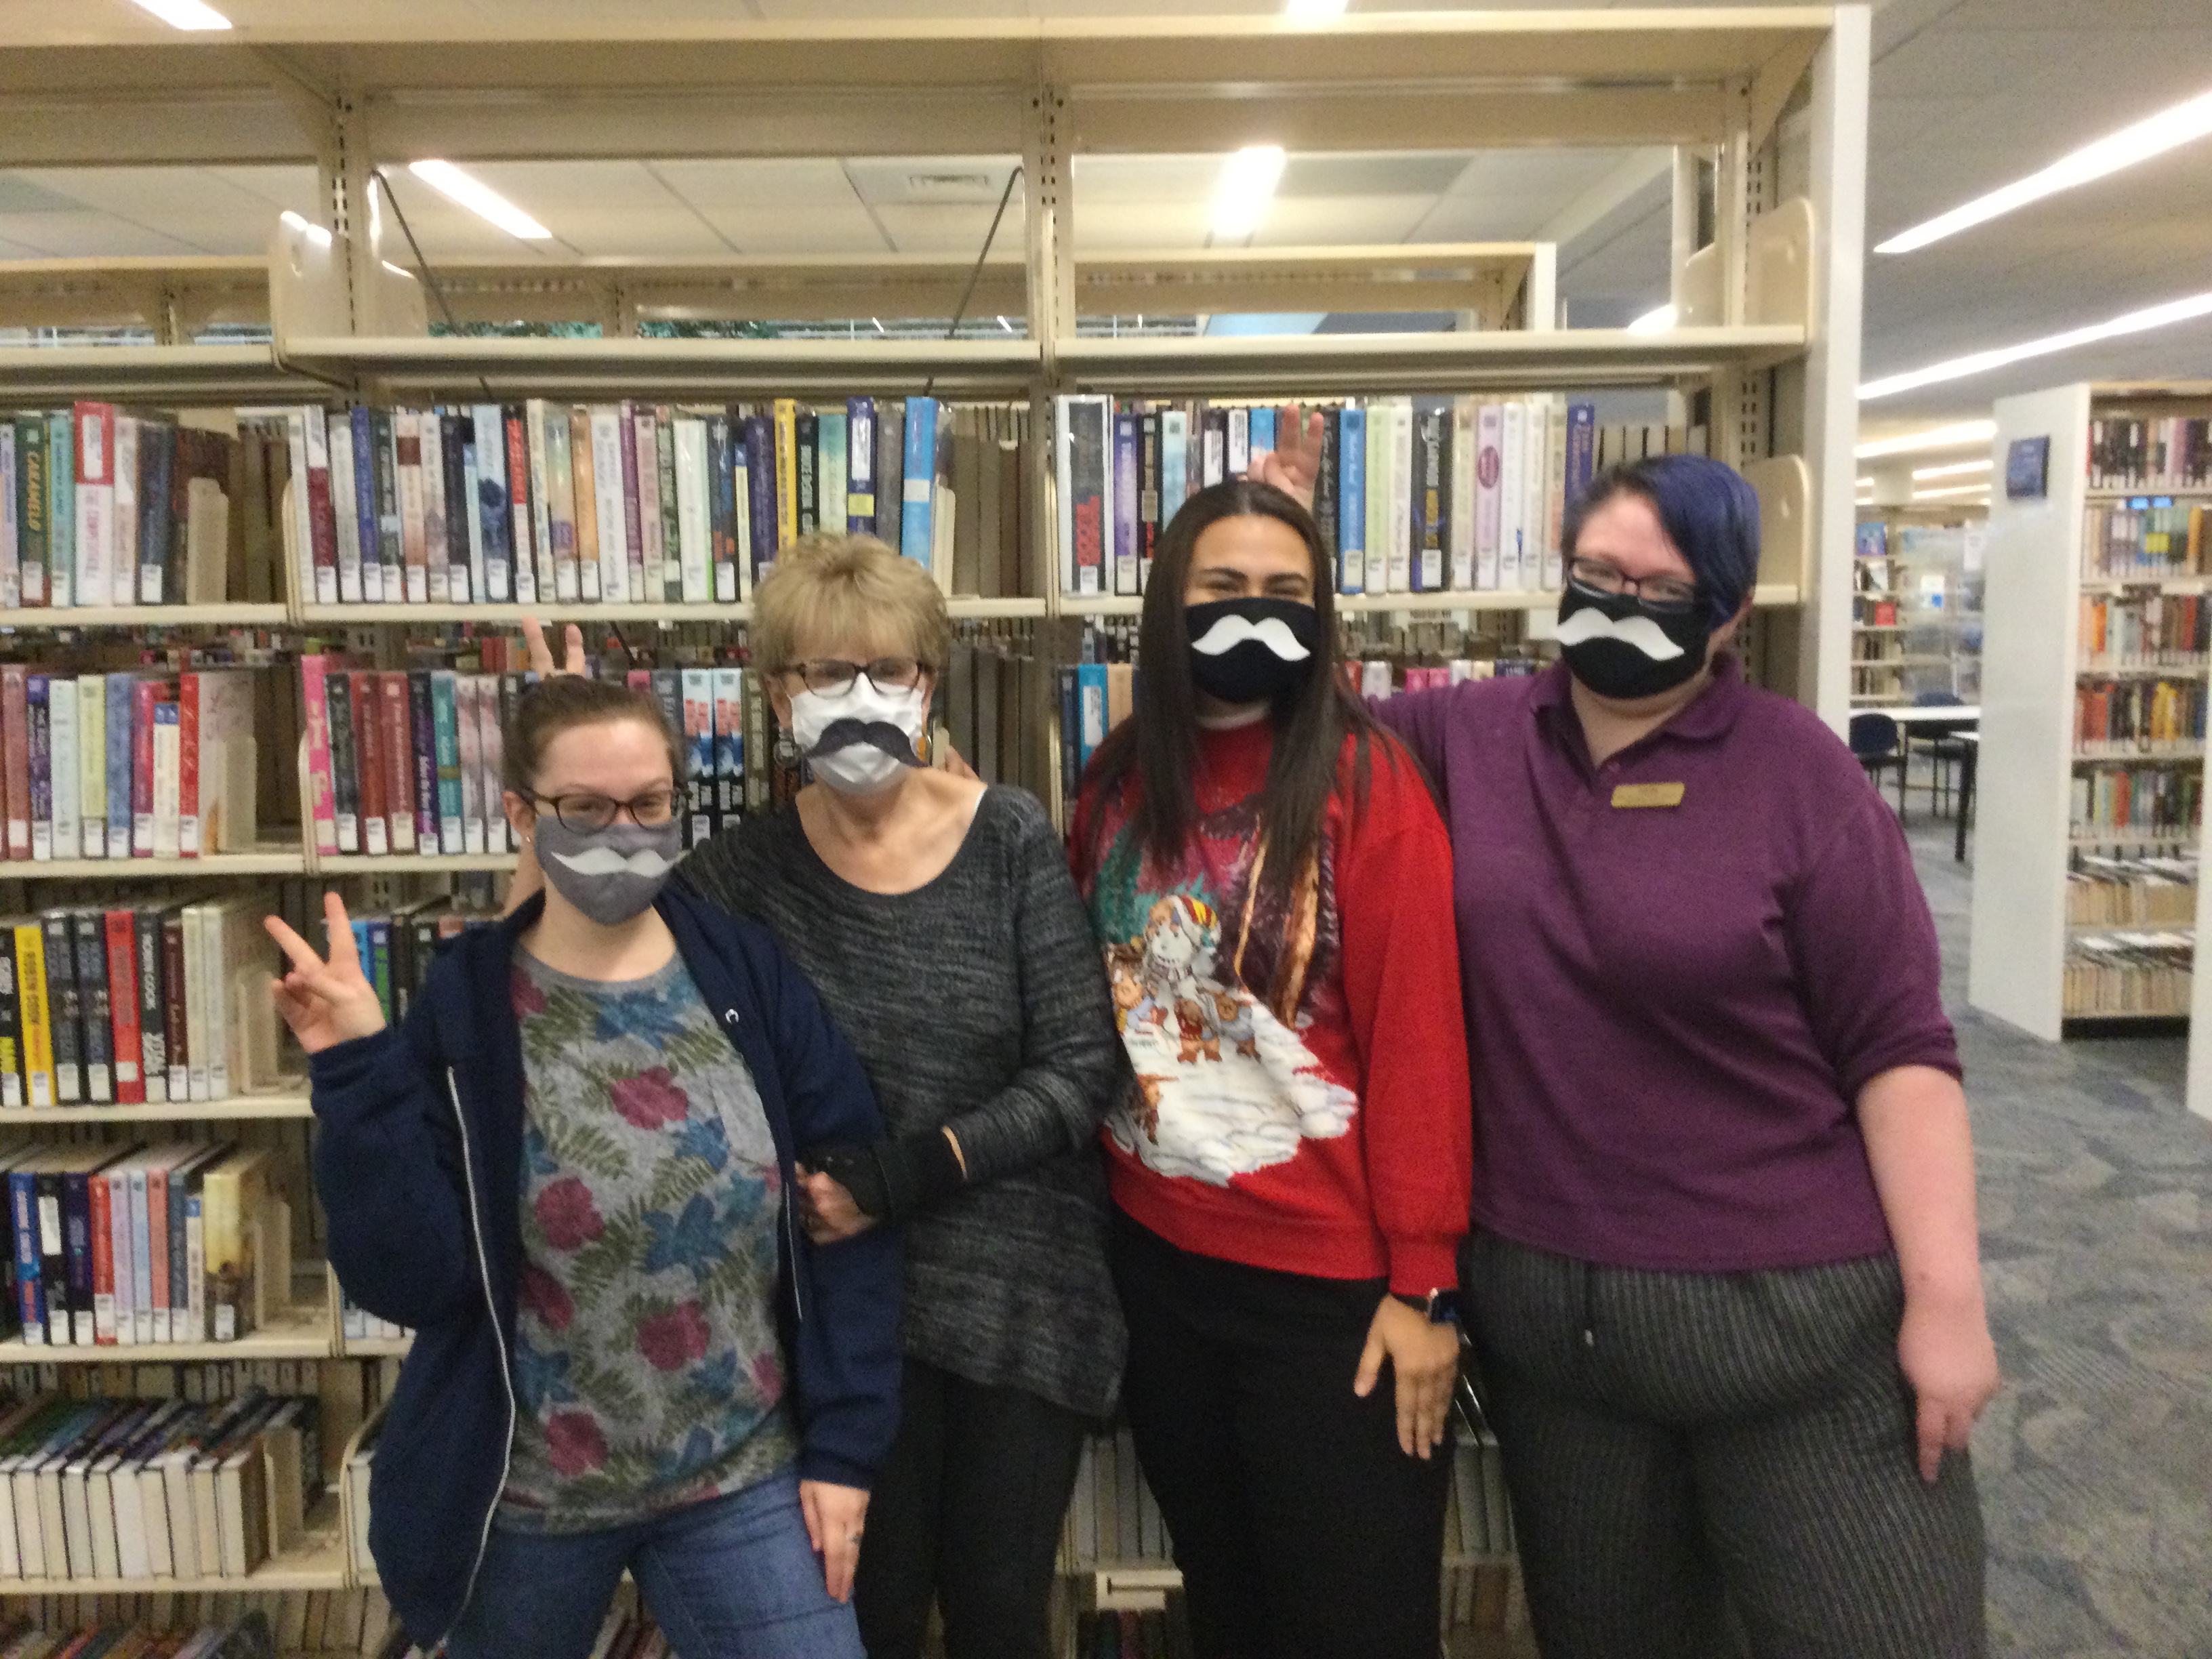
[{"x": 936, "y": 920}]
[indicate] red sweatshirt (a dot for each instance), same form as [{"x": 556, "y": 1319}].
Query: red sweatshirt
[{"x": 1301, "y": 1064}]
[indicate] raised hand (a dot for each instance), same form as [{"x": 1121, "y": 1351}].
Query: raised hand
[
  {"x": 330, "y": 1002},
  {"x": 1294, "y": 463},
  {"x": 541, "y": 654}
]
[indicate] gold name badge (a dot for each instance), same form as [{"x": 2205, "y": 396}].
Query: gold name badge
[{"x": 1647, "y": 794}]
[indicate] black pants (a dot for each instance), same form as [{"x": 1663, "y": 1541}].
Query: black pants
[
  {"x": 1303, "y": 1532},
  {"x": 967, "y": 1512},
  {"x": 1705, "y": 1463}
]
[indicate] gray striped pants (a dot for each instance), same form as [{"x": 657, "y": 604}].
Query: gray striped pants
[{"x": 1706, "y": 1464}]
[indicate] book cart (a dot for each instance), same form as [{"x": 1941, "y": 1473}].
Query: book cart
[
  {"x": 1764, "y": 107},
  {"x": 2094, "y": 686}
]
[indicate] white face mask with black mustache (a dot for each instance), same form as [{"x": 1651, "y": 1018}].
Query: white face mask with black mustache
[{"x": 861, "y": 767}]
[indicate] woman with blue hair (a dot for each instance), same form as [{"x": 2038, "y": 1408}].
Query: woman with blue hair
[{"x": 1722, "y": 1278}]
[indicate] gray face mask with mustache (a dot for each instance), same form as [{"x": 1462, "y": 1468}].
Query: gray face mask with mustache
[{"x": 609, "y": 874}]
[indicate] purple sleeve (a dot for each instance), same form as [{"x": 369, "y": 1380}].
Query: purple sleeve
[
  {"x": 1420, "y": 719},
  {"x": 1865, "y": 949}
]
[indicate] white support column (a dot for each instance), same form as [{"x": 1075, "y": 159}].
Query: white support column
[
  {"x": 1839, "y": 116},
  {"x": 1541, "y": 305}
]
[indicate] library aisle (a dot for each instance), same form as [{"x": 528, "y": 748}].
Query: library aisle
[{"x": 2095, "y": 1459}]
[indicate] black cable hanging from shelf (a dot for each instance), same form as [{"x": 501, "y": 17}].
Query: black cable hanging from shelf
[{"x": 975, "y": 274}]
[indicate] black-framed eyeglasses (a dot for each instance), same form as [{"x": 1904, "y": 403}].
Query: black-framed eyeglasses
[
  {"x": 1660, "y": 593},
  {"x": 585, "y": 813},
  {"x": 833, "y": 677}
]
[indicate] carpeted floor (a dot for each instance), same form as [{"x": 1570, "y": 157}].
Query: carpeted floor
[{"x": 2096, "y": 1200}]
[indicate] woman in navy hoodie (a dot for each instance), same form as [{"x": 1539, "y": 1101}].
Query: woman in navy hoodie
[{"x": 568, "y": 1171}]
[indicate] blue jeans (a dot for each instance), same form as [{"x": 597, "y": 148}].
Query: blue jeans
[{"x": 731, "y": 1579}]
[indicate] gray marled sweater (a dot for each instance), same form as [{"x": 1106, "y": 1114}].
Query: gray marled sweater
[{"x": 979, "y": 1001}]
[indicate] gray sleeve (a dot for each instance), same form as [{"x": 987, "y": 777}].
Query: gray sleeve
[{"x": 1073, "y": 1062}]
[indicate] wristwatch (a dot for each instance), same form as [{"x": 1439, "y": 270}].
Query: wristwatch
[{"x": 1438, "y": 1307}]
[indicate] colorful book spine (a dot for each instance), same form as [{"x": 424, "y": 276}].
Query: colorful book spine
[
  {"x": 91, "y": 765},
  {"x": 16, "y": 763},
  {"x": 122, "y": 702},
  {"x": 1351, "y": 500},
  {"x": 917, "y": 529},
  {"x": 671, "y": 545},
  {"x": 32, "y": 1002},
  {"x": 860, "y": 465},
  {"x": 368, "y": 523},
  {"x": 1124, "y": 484},
  {"x": 314, "y": 488},
  {"x": 94, "y": 463},
  {"x": 494, "y": 529},
  {"x": 152, "y": 1039},
  {"x": 96, "y": 1004},
  {"x": 119, "y": 931},
  {"x": 145, "y": 698},
  {"x": 189, "y": 686},
  {"x": 39, "y": 730},
  {"x": 445, "y": 728},
  {"x": 432, "y": 833},
  {"x": 321, "y": 804},
  {"x": 724, "y": 469}
]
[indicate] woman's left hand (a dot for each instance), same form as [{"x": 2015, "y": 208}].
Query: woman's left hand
[
  {"x": 827, "y": 1210},
  {"x": 1952, "y": 1364},
  {"x": 1426, "y": 1359},
  {"x": 1293, "y": 466},
  {"x": 834, "y": 1517}
]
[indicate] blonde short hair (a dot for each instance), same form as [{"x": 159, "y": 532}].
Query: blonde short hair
[{"x": 848, "y": 587}]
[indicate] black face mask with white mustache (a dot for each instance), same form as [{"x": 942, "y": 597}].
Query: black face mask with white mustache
[
  {"x": 1621, "y": 649},
  {"x": 1248, "y": 651}
]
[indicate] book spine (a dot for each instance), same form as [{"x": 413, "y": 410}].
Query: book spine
[
  {"x": 35, "y": 1006},
  {"x": 1351, "y": 499},
  {"x": 38, "y": 728},
  {"x": 495, "y": 527},
  {"x": 807, "y": 452},
  {"x": 167, "y": 746},
  {"x": 102, "y": 1218},
  {"x": 437, "y": 553},
  {"x": 464, "y": 547},
  {"x": 610, "y": 502},
  {"x": 345, "y": 780},
  {"x": 545, "y": 554},
  {"x": 345, "y": 506},
  {"x": 178, "y": 1296},
  {"x": 430, "y": 829},
  {"x": 154, "y": 1327},
  {"x": 1087, "y": 519},
  {"x": 15, "y": 737},
  {"x": 11, "y": 1038},
  {"x": 123, "y": 1001},
  {"x": 367, "y": 582},
  {"x": 35, "y": 530},
  {"x": 11, "y": 533},
  {"x": 478, "y": 805},
  {"x": 398, "y": 761},
  {"x": 96, "y": 1005},
  {"x": 64, "y": 1016},
  {"x": 176, "y": 1027},
  {"x": 583, "y": 505},
  {"x": 123, "y": 572},
  {"x": 315, "y": 480},
  {"x": 91, "y": 736},
  {"x": 916, "y": 529},
  {"x": 860, "y": 465},
  {"x": 1401, "y": 510},
  {"x": 559, "y": 487},
  {"x": 53, "y": 1258},
  {"x": 496, "y": 696},
  {"x": 890, "y": 471},
  {"x": 787, "y": 474},
  {"x": 313, "y": 670},
  {"x": 520, "y": 517},
  {"x": 1148, "y": 497},
  {"x": 94, "y": 427},
  {"x": 457, "y": 832},
  {"x": 22, "y": 1206},
  {"x": 1460, "y": 494},
  {"x": 189, "y": 686},
  {"x": 1489, "y": 469},
  {"x": 743, "y": 483},
  {"x": 368, "y": 761},
  {"x": 722, "y": 515},
  {"x": 760, "y": 473},
  {"x": 1126, "y": 489},
  {"x": 152, "y": 1041},
  {"x": 414, "y": 550},
  {"x": 1433, "y": 453},
  {"x": 671, "y": 532},
  {"x": 694, "y": 532},
  {"x": 729, "y": 745},
  {"x": 122, "y": 702},
  {"x": 76, "y": 1251},
  {"x": 146, "y": 696},
  {"x": 831, "y": 483},
  {"x": 644, "y": 470},
  {"x": 391, "y": 520}
]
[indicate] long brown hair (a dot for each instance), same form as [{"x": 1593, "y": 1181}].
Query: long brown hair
[{"x": 1158, "y": 743}]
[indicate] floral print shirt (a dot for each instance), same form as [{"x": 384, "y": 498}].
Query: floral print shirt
[{"x": 647, "y": 1364}]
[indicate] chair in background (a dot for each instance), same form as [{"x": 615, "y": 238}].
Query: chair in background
[
  {"x": 1874, "y": 739},
  {"x": 1946, "y": 751}
]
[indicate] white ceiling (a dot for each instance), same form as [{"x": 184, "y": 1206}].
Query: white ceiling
[{"x": 1967, "y": 95}]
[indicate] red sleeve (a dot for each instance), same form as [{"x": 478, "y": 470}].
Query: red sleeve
[{"x": 1402, "y": 988}]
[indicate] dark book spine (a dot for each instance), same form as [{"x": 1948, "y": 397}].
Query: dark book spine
[
  {"x": 1325, "y": 484},
  {"x": 454, "y": 430},
  {"x": 722, "y": 522},
  {"x": 152, "y": 1040},
  {"x": 13, "y": 1087},
  {"x": 53, "y": 1259},
  {"x": 172, "y": 1005},
  {"x": 158, "y": 443},
  {"x": 760, "y": 468},
  {"x": 809, "y": 471},
  {"x": 76, "y": 1253},
  {"x": 63, "y": 1009},
  {"x": 1148, "y": 496},
  {"x": 91, "y": 929},
  {"x": 345, "y": 778},
  {"x": 390, "y": 554},
  {"x": 423, "y": 745},
  {"x": 671, "y": 530}
]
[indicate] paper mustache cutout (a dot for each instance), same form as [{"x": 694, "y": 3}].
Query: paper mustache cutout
[
  {"x": 1641, "y": 632},
  {"x": 605, "y": 862},
  {"x": 876, "y": 734},
  {"x": 1231, "y": 631}
]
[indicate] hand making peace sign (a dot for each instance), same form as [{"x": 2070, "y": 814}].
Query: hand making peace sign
[{"x": 325, "y": 1003}]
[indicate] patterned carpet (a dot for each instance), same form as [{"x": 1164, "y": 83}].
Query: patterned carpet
[{"x": 2096, "y": 1196}]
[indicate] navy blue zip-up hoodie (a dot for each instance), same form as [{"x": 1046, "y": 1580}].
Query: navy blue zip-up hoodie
[{"x": 419, "y": 1166}]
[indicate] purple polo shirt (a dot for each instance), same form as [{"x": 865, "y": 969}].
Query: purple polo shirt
[{"x": 1671, "y": 1010}]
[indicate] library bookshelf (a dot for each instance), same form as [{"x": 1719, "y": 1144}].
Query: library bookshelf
[
  {"x": 2092, "y": 759},
  {"x": 1769, "y": 361}
]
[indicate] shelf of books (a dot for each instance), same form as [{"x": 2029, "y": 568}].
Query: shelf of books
[
  {"x": 2092, "y": 766},
  {"x": 1917, "y": 621}
]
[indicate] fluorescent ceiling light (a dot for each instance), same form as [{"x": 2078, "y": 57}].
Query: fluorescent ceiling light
[
  {"x": 184, "y": 14},
  {"x": 1247, "y": 184},
  {"x": 1980, "y": 362},
  {"x": 1954, "y": 489},
  {"x": 1936, "y": 437},
  {"x": 1950, "y": 469},
  {"x": 1313, "y": 11},
  {"x": 2109, "y": 154},
  {"x": 1655, "y": 322},
  {"x": 479, "y": 198},
  {"x": 307, "y": 228}
]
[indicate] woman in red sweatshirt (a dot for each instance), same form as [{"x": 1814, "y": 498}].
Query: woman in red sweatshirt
[{"x": 1291, "y": 1171}]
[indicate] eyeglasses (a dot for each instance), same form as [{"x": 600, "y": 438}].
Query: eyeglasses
[
  {"x": 1660, "y": 593},
  {"x": 833, "y": 677},
  {"x": 587, "y": 813}
]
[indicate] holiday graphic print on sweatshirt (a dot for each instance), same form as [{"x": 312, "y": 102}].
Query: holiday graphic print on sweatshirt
[
  {"x": 1213, "y": 983},
  {"x": 646, "y": 1359}
]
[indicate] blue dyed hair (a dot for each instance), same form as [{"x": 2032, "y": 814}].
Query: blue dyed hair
[{"x": 1708, "y": 511}]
